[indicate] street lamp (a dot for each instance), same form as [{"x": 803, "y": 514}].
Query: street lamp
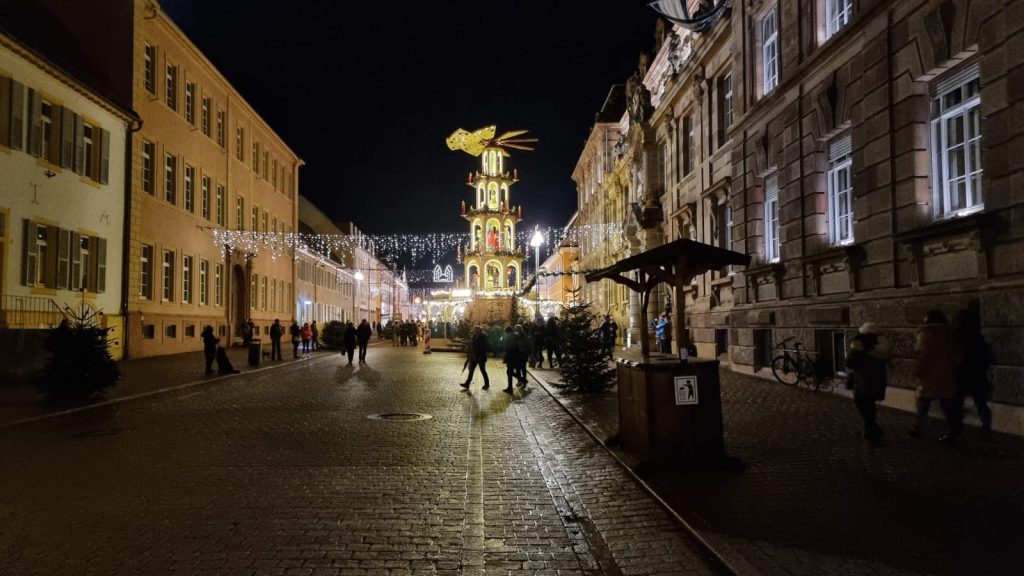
[
  {"x": 536, "y": 242},
  {"x": 359, "y": 278}
]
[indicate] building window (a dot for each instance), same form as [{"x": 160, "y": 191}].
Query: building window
[
  {"x": 837, "y": 14},
  {"x": 146, "y": 273},
  {"x": 256, "y": 158},
  {"x": 171, "y": 95},
  {"x": 240, "y": 213},
  {"x": 148, "y": 331},
  {"x": 190, "y": 331},
  {"x": 149, "y": 73},
  {"x": 205, "y": 116},
  {"x": 37, "y": 254},
  {"x": 168, "y": 276},
  {"x": 769, "y": 51},
  {"x": 763, "y": 349},
  {"x": 171, "y": 331},
  {"x": 148, "y": 167},
  {"x": 218, "y": 284},
  {"x": 254, "y": 287},
  {"x": 220, "y": 128},
  {"x": 220, "y": 204},
  {"x": 273, "y": 295},
  {"x": 686, "y": 145},
  {"x": 46, "y": 130},
  {"x": 723, "y": 217},
  {"x": 190, "y": 102},
  {"x": 170, "y": 178},
  {"x": 186, "y": 279},
  {"x": 240, "y": 143},
  {"x": 956, "y": 144},
  {"x": 190, "y": 188},
  {"x": 840, "y": 190},
  {"x": 725, "y": 108},
  {"x": 263, "y": 293},
  {"x": 255, "y": 218},
  {"x": 265, "y": 219},
  {"x": 771, "y": 218},
  {"x": 205, "y": 197},
  {"x": 266, "y": 165},
  {"x": 80, "y": 265},
  {"x": 88, "y": 166}
]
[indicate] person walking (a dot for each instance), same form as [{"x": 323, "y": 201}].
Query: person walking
[
  {"x": 315, "y": 341},
  {"x": 307, "y": 337},
  {"x": 348, "y": 340},
  {"x": 209, "y": 347},
  {"x": 248, "y": 331},
  {"x": 553, "y": 342},
  {"x": 276, "y": 332},
  {"x": 663, "y": 333},
  {"x": 477, "y": 357},
  {"x": 609, "y": 331},
  {"x": 363, "y": 333},
  {"x": 867, "y": 367},
  {"x": 537, "y": 336},
  {"x": 296, "y": 333},
  {"x": 510, "y": 341},
  {"x": 973, "y": 378},
  {"x": 524, "y": 354},
  {"x": 936, "y": 367}
]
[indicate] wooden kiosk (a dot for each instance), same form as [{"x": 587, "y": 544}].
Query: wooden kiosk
[{"x": 670, "y": 409}]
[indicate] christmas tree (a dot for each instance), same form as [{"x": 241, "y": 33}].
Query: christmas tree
[
  {"x": 80, "y": 364},
  {"x": 583, "y": 366}
]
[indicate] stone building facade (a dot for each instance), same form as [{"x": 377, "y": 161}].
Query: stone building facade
[
  {"x": 865, "y": 153},
  {"x": 203, "y": 160}
]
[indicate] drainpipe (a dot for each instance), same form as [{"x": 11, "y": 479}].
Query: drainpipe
[{"x": 126, "y": 233}]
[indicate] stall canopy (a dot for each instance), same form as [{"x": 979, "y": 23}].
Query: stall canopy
[{"x": 676, "y": 264}]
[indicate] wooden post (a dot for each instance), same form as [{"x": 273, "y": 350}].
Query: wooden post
[{"x": 681, "y": 278}]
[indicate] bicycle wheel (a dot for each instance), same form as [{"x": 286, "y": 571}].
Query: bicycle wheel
[{"x": 785, "y": 370}]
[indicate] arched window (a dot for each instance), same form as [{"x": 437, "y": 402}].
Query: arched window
[
  {"x": 493, "y": 190},
  {"x": 512, "y": 276},
  {"x": 472, "y": 276}
]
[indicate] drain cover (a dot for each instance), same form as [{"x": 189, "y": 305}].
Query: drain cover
[{"x": 401, "y": 416}]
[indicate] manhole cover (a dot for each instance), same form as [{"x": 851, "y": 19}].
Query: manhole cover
[{"x": 401, "y": 416}]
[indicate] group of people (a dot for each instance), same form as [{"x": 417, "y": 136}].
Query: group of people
[
  {"x": 950, "y": 365},
  {"x": 517, "y": 347}
]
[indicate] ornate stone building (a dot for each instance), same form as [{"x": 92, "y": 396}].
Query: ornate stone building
[{"x": 864, "y": 153}]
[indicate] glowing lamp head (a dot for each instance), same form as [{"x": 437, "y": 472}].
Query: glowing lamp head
[
  {"x": 537, "y": 240},
  {"x": 359, "y": 276}
]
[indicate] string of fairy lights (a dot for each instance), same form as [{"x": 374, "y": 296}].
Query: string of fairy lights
[{"x": 408, "y": 249}]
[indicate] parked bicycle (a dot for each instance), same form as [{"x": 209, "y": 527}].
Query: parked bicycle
[{"x": 795, "y": 366}]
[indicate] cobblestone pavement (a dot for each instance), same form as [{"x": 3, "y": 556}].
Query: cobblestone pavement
[
  {"x": 814, "y": 498},
  {"x": 282, "y": 472}
]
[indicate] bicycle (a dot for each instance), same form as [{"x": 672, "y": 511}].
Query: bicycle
[{"x": 794, "y": 367}]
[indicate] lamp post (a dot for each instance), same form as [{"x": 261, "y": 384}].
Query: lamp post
[
  {"x": 537, "y": 241},
  {"x": 359, "y": 279}
]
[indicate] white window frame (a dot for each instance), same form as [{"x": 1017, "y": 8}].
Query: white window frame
[
  {"x": 190, "y": 188},
  {"x": 221, "y": 123},
  {"x": 167, "y": 275},
  {"x": 171, "y": 178},
  {"x": 964, "y": 85},
  {"x": 171, "y": 92},
  {"x": 221, "y": 207},
  {"x": 205, "y": 116},
  {"x": 218, "y": 284},
  {"x": 727, "y": 112},
  {"x": 769, "y": 25},
  {"x": 146, "y": 272},
  {"x": 149, "y": 69},
  {"x": 837, "y": 16},
  {"x": 190, "y": 103},
  {"x": 148, "y": 167},
  {"x": 204, "y": 282},
  {"x": 204, "y": 190},
  {"x": 186, "y": 279},
  {"x": 771, "y": 218},
  {"x": 840, "y": 191}
]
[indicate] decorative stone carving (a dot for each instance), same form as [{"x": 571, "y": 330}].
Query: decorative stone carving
[{"x": 639, "y": 96}]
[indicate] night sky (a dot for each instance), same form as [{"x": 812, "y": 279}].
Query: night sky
[{"x": 366, "y": 93}]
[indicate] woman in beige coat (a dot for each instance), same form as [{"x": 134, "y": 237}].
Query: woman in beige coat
[{"x": 936, "y": 364}]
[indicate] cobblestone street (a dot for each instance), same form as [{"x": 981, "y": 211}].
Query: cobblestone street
[{"x": 282, "y": 472}]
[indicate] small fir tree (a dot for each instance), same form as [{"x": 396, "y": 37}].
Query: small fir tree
[
  {"x": 80, "y": 363},
  {"x": 332, "y": 335},
  {"x": 583, "y": 366}
]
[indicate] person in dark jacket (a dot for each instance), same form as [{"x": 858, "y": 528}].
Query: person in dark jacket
[
  {"x": 315, "y": 342},
  {"x": 511, "y": 343},
  {"x": 248, "y": 331},
  {"x": 276, "y": 332},
  {"x": 609, "y": 331},
  {"x": 936, "y": 365},
  {"x": 525, "y": 348},
  {"x": 209, "y": 347},
  {"x": 348, "y": 339},
  {"x": 296, "y": 333},
  {"x": 537, "y": 336},
  {"x": 553, "y": 342},
  {"x": 867, "y": 364},
  {"x": 477, "y": 357},
  {"x": 363, "y": 333},
  {"x": 973, "y": 379}
]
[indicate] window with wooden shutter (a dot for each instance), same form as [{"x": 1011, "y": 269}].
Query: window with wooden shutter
[
  {"x": 100, "y": 284},
  {"x": 35, "y": 123},
  {"x": 79, "y": 145},
  {"x": 67, "y": 138},
  {"x": 5, "y": 111},
  {"x": 30, "y": 255},
  {"x": 17, "y": 133},
  {"x": 76, "y": 262},
  {"x": 64, "y": 276},
  {"x": 103, "y": 156},
  {"x": 48, "y": 258}
]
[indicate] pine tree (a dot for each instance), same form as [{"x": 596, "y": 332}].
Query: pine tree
[
  {"x": 583, "y": 366},
  {"x": 80, "y": 363}
]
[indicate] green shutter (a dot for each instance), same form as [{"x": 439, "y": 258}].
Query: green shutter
[
  {"x": 17, "y": 133},
  {"x": 101, "y": 265},
  {"x": 30, "y": 255},
  {"x": 104, "y": 158},
  {"x": 67, "y": 138},
  {"x": 79, "y": 145},
  {"x": 5, "y": 111},
  {"x": 35, "y": 123},
  {"x": 63, "y": 256}
]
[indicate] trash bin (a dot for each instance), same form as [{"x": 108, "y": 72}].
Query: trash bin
[
  {"x": 255, "y": 352},
  {"x": 670, "y": 410}
]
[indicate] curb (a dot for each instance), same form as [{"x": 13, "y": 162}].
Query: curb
[
  {"x": 112, "y": 401},
  {"x": 731, "y": 561}
]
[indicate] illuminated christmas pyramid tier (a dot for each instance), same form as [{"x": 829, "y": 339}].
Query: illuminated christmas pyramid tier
[{"x": 492, "y": 260}]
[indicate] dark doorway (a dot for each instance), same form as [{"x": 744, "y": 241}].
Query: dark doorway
[{"x": 239, "y": 306}]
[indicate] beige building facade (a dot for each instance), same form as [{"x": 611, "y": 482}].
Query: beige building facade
[{"x": 204, "y": 160}]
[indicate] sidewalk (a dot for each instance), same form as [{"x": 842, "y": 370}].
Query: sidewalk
[
  {"x": 815, "y": 498},
  {"x": 140, "y": 376}
]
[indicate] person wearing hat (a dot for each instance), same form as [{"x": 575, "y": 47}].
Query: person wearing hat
[
  {"x": 936, "y": 365},
  {"x": 867, "y": 367}
]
